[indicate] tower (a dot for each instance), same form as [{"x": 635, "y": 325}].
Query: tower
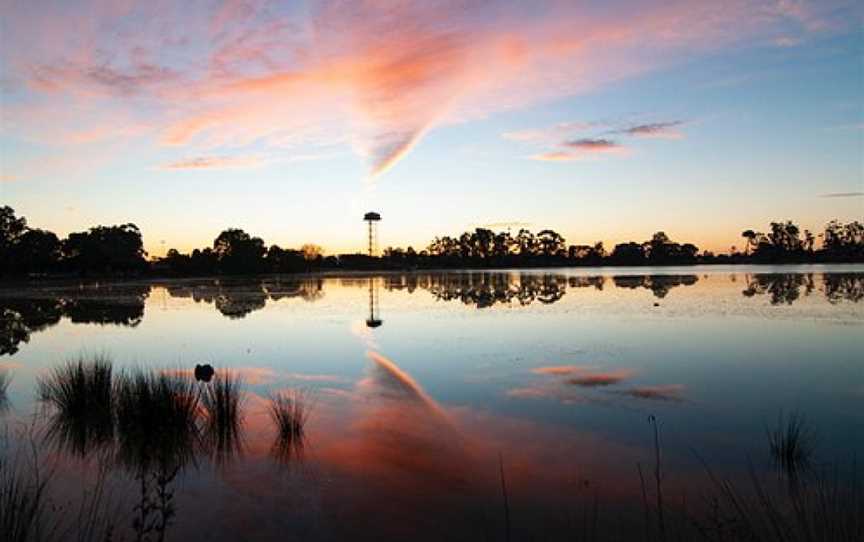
[{"x": 372, "y": 218}]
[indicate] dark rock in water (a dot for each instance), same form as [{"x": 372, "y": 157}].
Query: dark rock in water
[{"x": 204, "y": 373}]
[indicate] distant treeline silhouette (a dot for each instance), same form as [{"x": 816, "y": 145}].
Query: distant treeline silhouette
[{"x": 119, "y": 251}]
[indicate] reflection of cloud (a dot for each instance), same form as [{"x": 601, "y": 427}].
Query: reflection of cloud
[
  {"x": 558, "y": 369},
  {"x": 388, "y": 437},
  {"x": 392, "y": 382},
  {"x": 249, "y": 375},
  {"x": 669, "y": 392},
  {"x": 553, "y": 392},
  {"x": 315, "y": 377},
  {"x": 590, "y": 380}
]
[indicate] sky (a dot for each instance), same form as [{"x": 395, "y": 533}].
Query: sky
[{"x": 605, "y": 120}]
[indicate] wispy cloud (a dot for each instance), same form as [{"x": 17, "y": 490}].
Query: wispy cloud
[
  {"x": 376, "y": 76},
  {"x": 502, "y": 225},
  {"x": 576, "y": 148},
  {"x": 555, "y": 156},
  {"x": 215, "y": 162},
  {"x": 665, "y": 130},
  {"x": 553, "y": 133},
  {"x": 842, "y": 195},
  {"x": 580, "y": 148},
  {"x": 592, "y": 145}
]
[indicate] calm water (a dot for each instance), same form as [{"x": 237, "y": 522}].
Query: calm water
[{"x": 424, "y": 385}]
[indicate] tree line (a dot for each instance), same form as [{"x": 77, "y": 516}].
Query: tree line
[{"x": 119, "y": 251}]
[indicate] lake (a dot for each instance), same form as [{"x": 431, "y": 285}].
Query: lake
[{"x": 474, "y": 405}]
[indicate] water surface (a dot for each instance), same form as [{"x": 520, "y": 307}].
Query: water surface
[{"x": 425, "y": 385}]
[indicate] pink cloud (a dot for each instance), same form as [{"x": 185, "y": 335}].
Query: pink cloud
[
  {"x": 578, "y": 149},
  {"x": 378, "y": 76},
  {"x": 592, "y": 145}
]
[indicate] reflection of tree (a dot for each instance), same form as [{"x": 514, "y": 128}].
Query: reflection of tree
[
  {"x": 487, "y": 289},
  {"x": 237, "y": 298},
  {"x": 660, "y": 285},
  {"x": 21, "y": 315},
  {"x": 840, "y": 286},
  {"x": 783, "y": 287}
]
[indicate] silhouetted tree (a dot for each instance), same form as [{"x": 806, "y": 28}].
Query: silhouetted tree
[
  {"x": 281, "y": 260},
  {"x": 750, "y": 236},
  {"x": 628, "y": 254},
  {"x": 237, "y": 252},
  {"x": 105, "y": 249},
  {"x": 113, "y": 250},
  {"x": 11, "y": 228},
  {"x": 35, "y": 251},
  {"x": 843, "y": 242}
]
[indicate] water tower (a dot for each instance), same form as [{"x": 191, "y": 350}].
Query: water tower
[{"x": 372, "y": 218}]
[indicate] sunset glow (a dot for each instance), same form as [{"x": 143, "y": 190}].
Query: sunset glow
[{"x": 604, "y": 121}]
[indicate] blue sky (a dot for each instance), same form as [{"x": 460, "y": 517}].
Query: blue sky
[{"x": 603, "y": 121}]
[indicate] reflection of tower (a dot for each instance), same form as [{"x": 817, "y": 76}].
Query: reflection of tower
[
  {"x": 372, "y": 218},
  {"x": 373, "y": 320}
]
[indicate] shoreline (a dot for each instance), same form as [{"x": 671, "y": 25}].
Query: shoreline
[{"x": 607, "y": 270}]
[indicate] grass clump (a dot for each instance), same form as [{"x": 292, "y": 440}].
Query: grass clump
[
  {"x": 80, "y": 394},
  {"x": 156, "y": 420},
  {"x": 289, "y": 410},
  {"x": 792, "y": 445},
  {"x": 222, "y": 402},
  {"x": 23, "y": 503}
]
